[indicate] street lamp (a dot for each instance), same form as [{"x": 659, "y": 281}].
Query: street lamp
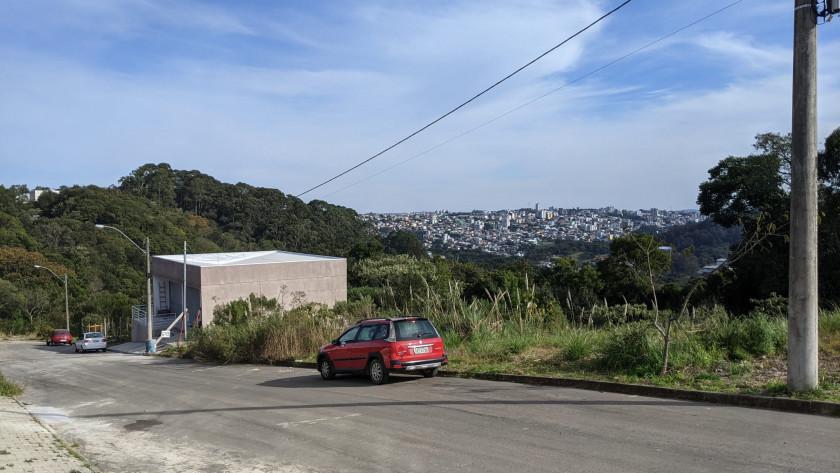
[
  {"x": 66, "y": 297},
  {"x": 150, "y": 345}
]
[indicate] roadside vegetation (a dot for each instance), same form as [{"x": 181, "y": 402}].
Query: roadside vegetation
[
  {"x": 8, "y": 388},
  {"x": 711, "y": 350},
  {"x": 699, "y": 306}
]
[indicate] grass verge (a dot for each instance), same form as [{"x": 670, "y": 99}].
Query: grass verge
[{"x": 8, "y": 388}]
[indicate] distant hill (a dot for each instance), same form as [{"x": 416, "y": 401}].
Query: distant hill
[{"x": 170, "y": 207}]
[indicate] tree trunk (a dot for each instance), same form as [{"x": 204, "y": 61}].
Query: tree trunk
[{"x": 666, "y": 348}]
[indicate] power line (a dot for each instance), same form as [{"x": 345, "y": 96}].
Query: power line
[
  {"x": 488, "y": 89},
  {"x": 540, "y": 97}
]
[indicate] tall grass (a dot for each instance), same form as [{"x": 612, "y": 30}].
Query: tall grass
[
  {"x": 8, "y": 388},
  {"x": 505, "y": 326},
  {"x": 273, "y": 336}
]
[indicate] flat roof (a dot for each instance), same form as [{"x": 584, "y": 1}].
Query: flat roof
[{"x": 206, "y": 260}]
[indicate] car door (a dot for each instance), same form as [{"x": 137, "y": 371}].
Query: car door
[
  {"x": 342, "y": 354},
  {"x": 369, "y": 340}
]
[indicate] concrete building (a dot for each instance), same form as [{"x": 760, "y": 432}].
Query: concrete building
[
  {"x": 214, "y": 279},
  {"x": 36, "y": 194}
]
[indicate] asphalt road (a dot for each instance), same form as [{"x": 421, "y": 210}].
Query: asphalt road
[{"x": 135, "y": 413}]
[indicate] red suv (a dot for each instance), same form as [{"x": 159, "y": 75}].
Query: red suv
[
  {"x": 378, "y": 347},
  {"x": 60, "y": 337}
]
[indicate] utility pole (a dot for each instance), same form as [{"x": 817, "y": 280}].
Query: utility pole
[
  {"x": 151, "y": 346},
  {"x": 150, "y": 342},
  {"x": 184, "y": 296},
  {"x": 66, "y": 305},
  {"x": 802, "y": 275}
]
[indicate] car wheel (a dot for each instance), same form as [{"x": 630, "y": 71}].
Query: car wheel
[
  {"x": 326, "y": 369},
  {"x": 48, "y": 343},
  {"x": 104, "y": 350},
  {"x": 377, "y": 372},
  {"x": 430, "y": 373}
]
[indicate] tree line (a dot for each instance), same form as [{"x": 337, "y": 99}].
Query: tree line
[{"x": 745, "y": 197}]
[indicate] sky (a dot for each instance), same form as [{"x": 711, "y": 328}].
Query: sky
[{"x": 288, "y": 94}]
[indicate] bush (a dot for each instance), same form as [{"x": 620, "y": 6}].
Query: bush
[
  {"x": 300, "y": 333},
  {"x": 578, "y": 344},
  {"x": 632, "y": 348},
  {"x": 774, "y": 306},
  {"x": 497, "y": 347},
  {"x": 830, "y": 322},
  {"x": 689, "y": 350},
  {"x": 755, "y": 336},
  {"x": 277, "y": 337},
  {"x": 44, "y": 330}
]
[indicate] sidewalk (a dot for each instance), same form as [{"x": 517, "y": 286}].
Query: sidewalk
[{"x": 28, "y": 446}]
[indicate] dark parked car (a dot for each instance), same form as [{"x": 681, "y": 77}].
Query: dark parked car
[{"x": 60, "y": 337}]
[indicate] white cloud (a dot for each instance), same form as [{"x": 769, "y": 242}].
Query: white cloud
[{"x": 291, "y": 118}]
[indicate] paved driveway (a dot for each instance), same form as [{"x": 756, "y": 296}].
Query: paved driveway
[{"x": 135, "y": 413}]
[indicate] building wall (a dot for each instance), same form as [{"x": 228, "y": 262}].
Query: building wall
[
  {"x": 292, "y": 284},
  {"x": 323, "y": 281}
]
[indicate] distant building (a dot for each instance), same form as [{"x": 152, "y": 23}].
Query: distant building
[{"x": 36, "y": 194}]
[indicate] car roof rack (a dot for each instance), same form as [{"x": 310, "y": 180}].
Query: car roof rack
[{"x": 384, "y": 319}]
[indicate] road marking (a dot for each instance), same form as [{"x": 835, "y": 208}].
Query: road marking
[{"x": 286, "y": 425}]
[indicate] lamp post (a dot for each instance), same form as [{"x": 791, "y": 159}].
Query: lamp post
[
  {"x": 66, "y": 296},
  {"x": 150, "y": 345}
]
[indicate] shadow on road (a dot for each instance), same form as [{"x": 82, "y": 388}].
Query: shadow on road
[
  {"x": 406, "y": 403},
  {"x": 341, "y": 381},
  {"x": 63, "y": 349}
]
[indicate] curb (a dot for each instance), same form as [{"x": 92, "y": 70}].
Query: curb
[
  {"x": 801, "y": 406},
  {"x": 785, "y": 404}
]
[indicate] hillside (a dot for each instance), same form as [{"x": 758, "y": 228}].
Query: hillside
[{"x": 170, "y": 207}]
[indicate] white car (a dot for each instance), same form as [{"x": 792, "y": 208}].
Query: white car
[{"x": 91, "y": 341}]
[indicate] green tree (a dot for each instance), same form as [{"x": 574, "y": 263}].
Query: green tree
[
  {"x": 752, "y": 192},
  {"x": 634, "y": 268},
  {"x": 401, "y": 242}
]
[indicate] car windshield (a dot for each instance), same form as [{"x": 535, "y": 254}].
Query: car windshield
[
  {"x": 60, "y": 332},
  {"x": 414, "y": 328},
  {"x": 93, "y": 335}
]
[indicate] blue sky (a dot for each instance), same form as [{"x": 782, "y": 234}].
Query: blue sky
[{"x": 286, "y": 94}]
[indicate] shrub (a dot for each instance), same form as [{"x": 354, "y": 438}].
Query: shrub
[
  {"x": 299, "y": 333},
  {"x": 754, "y": 336},
  {"x": 830, "y": 322},
  {"x": 689, "y": 350},
  {"x": 44, "y": 330},
  {"x": 491, "y": 346},
  {"x": 632, "y": 348},
  {"x": 774, "y": 306},
  {"x": 279, "y": 336},
  {"x": 579, "y": 344}
]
